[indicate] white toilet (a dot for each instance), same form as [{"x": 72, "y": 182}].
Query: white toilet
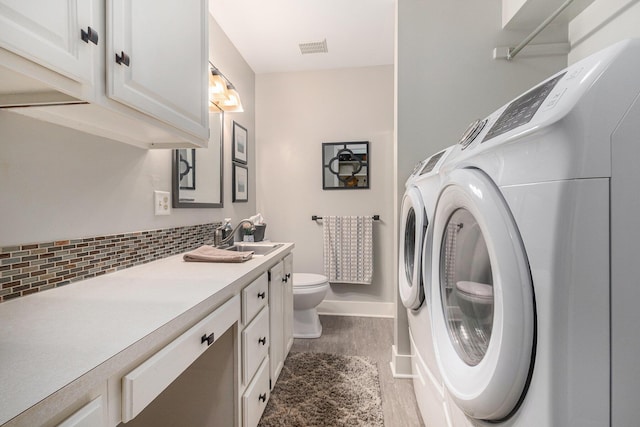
[{"x": 308, "y": 292}]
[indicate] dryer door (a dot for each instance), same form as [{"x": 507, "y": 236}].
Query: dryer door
[
  {"x": 483, "y": 309},
  {"x": 412, "y": 231}
]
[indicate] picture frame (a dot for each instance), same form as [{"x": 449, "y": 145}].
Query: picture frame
[
  {"x": 240, "y": 179},
  {"x": 346, "y": 165},
  {"x": 240, "y": 143},
  {"x": 186, "y": 162}
]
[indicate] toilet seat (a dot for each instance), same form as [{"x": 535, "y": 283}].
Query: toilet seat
[{"x": 309, "y": 281}]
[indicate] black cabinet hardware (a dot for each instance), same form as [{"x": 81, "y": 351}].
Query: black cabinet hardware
[
  {"x": 263, "y": 397},
  {"x": 90, "y": 35},
  {"x": 207, "y": 338},
  {"x": 261, "y": 295},
  {"x": 263, "y": 340},
  {"x": 123, "y": 59}
]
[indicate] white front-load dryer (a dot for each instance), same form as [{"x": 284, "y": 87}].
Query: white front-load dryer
[
  {"x": 417, "y": 212},
  {"x": 535, "y": 266}
]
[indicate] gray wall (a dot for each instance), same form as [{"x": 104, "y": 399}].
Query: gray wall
[
  {"x": 603, "y": 23},
  {"x": 296, "y": 113},
  {"x": 57, "y": 183}
]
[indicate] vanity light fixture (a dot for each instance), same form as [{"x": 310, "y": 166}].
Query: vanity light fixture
[
  {"x": 232, "y": 103},
  {"x": 222, "y": 93},
  {"x": 217, "y": 85}
]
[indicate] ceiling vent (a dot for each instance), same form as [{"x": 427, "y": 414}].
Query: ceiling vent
[{"x": 314, "y": 47}]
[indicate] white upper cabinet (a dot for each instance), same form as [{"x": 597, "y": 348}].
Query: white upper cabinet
[
  {"x": 51, "y": 32},
  {"x": 157, "y": 57},
  {"x": 58, "y": 64}
]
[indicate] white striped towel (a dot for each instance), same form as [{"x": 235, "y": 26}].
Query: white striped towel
[{"x": 348, "y": 249}]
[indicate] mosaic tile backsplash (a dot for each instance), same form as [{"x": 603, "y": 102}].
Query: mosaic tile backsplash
[{"x": 29, "y": 268}]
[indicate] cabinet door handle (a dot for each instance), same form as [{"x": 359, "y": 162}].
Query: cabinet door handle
[
  {"x": 122, "y": 58},
  {"x": 261, "y": 295},
  {"x": 288, "y": 275},
  {"x": 262, "y": 397},
  {"x": 284, "y": 279},
  {"x": 90, "y": 35},
  {"x": 263, "y": 340},
  {"x": 207, "y": 338}
]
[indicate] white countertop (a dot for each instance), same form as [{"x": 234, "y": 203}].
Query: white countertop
[{"x": 51, "y": 339}]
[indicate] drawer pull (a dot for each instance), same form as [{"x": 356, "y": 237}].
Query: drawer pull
[
  {"x": 90, "y": 35},
  {"x": 208, "y": 338},
  {"x": 122, "y": 59},
  {"x": 263, "y": 340},
  {"x": 284, "y": 279},
  {"x": 262, "y": 397},
  {"x": 261, "y": 295}
]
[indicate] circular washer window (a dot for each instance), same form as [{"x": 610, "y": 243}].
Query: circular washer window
[
  {"x": 410, "y": 245},
  {"x": 466, "y": 287}
]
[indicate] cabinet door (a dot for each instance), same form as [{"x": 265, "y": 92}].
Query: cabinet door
[
  {"x": 48, "y": 32},
  {"x": 157, "y": 60},
  {"x": 287, "y": 302},
  {"x": 276, "y": 349}
]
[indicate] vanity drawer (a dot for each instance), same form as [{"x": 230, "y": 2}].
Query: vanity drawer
[
  {"x": 90, "y": 415},
  {"x": 147, "y": 381},
  {"x": 255, "y": 344},
  {"x": 255, "y": 398},
  {"x": 254, "y": 297}
]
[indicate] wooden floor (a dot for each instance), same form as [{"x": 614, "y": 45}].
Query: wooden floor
[{"x": 370, "y": 337}]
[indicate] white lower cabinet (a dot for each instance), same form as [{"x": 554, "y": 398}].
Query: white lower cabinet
[
  {"x": 255, "y": 397},
  {"x": 281, "y": 314},
  {"x": 256, "y": 341},
  {"x": 217, "y": 372},
  {"x": 287, "y": 304},
  {"x": 90, "y": 415},
  {"x": 276, "y": 316},
  {"x": 147, "y": 381},
  {"x": 255, "y": 344}
]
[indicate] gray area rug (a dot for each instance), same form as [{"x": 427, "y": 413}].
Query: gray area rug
[{"x": 322, "y": 389}]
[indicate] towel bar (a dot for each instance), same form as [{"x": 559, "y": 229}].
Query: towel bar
[{"x": 316, "y": 217}]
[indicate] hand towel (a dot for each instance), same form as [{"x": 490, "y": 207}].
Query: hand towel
[
  {"x": 348, "y": 249},
  {"x": 208, "y": 253}
]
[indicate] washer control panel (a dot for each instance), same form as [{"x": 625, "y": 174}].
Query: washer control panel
[{"x": 522, "y": 110}]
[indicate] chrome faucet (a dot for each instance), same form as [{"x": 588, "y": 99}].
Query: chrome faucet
[{"x": 229, "y": 239}]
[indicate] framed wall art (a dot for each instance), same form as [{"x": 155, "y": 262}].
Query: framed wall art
[
  {"x": 240, "y": 141},
  {"x": 240, "y": 183}
]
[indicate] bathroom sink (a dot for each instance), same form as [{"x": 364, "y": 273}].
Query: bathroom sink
[{"x": 257, "y": 248}]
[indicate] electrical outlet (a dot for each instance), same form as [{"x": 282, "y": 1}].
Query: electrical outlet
[{"x": 162, "y": 202}]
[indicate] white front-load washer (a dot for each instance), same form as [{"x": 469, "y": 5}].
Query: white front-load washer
[
  {"x": 418, "y": 205},
  {"x": 535, "y": 266}
]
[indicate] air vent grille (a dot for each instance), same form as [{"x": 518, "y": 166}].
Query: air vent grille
[{"x": 314, "y": 47}]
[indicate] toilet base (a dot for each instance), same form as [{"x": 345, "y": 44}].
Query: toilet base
[{"x": 306, "y": 323}]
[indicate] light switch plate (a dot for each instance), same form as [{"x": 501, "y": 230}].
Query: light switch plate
[{"x": 162, "y": 202}]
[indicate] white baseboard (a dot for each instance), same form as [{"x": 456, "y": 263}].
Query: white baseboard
[
  {"x": 401, "y": 364},
  {"x": 357, "y": 308}
]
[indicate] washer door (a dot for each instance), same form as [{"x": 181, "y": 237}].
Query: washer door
[
  {"x": 483, "y": 313},
  {"x": 412, "y": 231}
]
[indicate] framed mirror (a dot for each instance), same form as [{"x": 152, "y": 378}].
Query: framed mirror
[
  {"x": 345, "y": 165},
  {"x": 197, "y": 172}
]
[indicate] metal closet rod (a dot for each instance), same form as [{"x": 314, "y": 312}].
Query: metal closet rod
[
  {"x": 514, "y": 51},
  {"x": 316, "y": 217}
]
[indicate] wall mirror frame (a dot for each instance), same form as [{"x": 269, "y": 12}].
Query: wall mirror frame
[
  {"x": 345, "y": 165},
  {"x": 201, "y": 186}
]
